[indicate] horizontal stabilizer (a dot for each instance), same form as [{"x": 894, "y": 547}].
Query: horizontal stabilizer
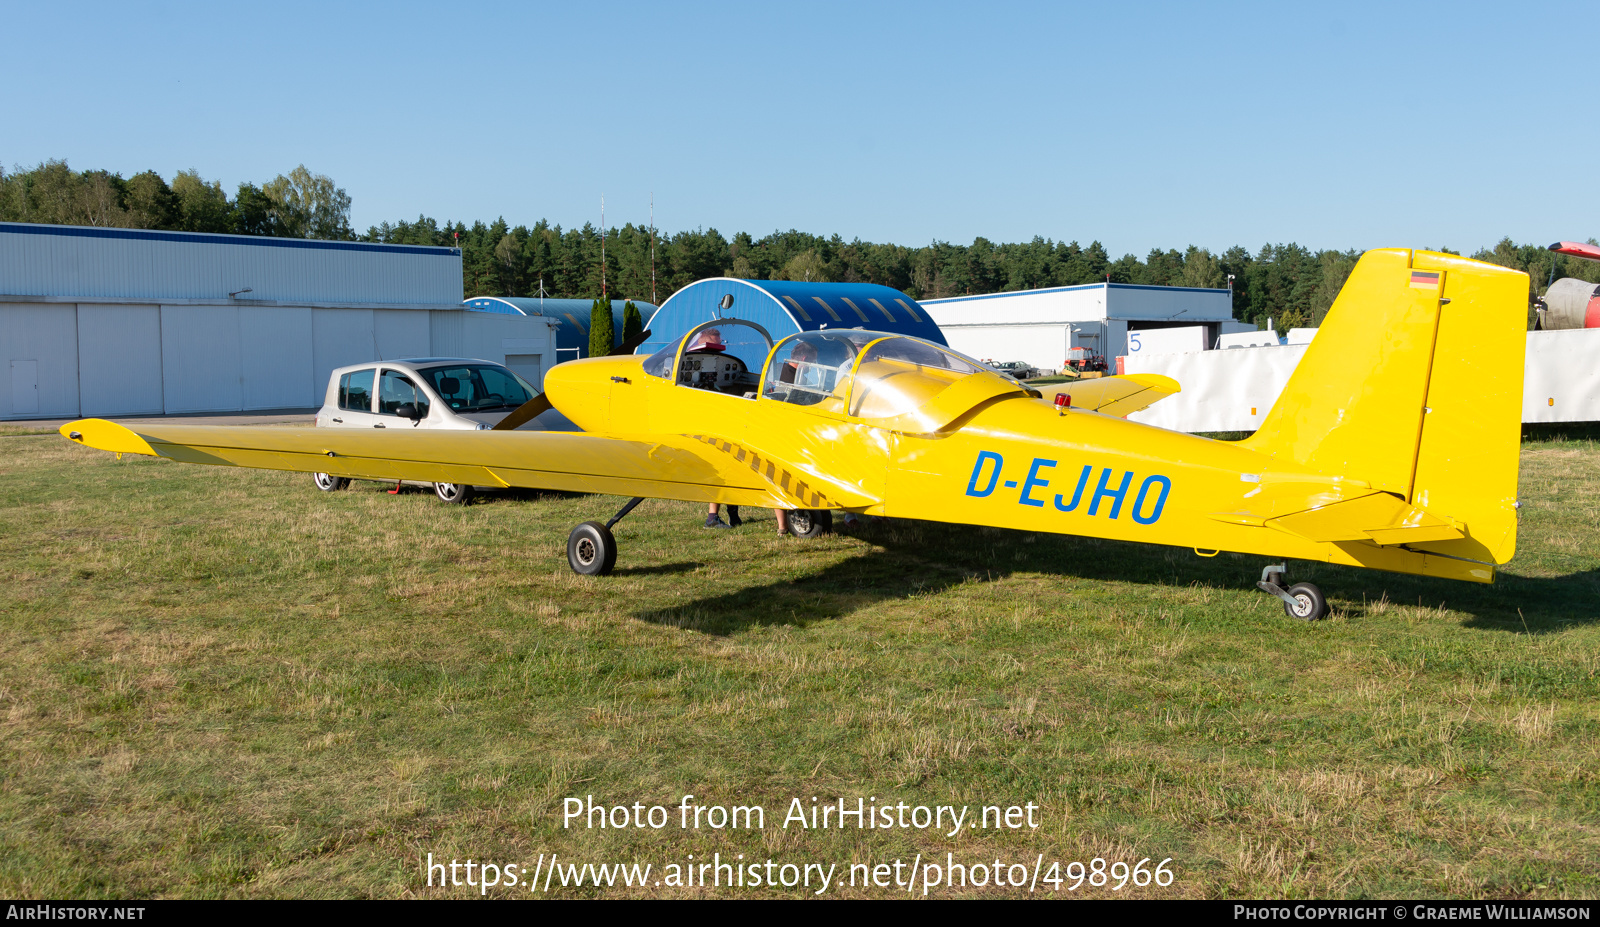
[
  {"x": 1343, "y": 512},
  {"x": 1119, "y": 395}
]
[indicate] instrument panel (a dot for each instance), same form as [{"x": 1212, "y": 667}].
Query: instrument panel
[{"x": 714, "y": 370}]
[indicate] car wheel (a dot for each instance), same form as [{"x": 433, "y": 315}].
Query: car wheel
[
  {"x": 453, "y": 493},
  {"x": 591, "y": 549},
  {"x": 1308, "y": 605},
  {"x": 328, "y": 483},
  {"x": 810, "y": 523}
]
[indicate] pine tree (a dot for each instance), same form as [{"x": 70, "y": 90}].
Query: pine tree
[
  {"x": 632, "y": 322},
  {"x": 602, "y": 332}
]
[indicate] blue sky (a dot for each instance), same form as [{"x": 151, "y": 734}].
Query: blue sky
[{"x": 1141, "y": 125}]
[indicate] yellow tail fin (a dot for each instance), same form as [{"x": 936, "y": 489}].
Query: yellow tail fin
[{"x": 1414, "y": 385}]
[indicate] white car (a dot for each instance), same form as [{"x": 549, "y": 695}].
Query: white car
[{"x": 421, "y": 392}]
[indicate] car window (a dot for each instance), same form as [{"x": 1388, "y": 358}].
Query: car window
[
  {"x": 396, "y": 389},
  {"x": 478, "y": 387},
  {"x": 355, "y": 391}
]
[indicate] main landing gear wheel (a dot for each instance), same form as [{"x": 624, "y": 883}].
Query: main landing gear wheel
[
  {"x": 810, "y": 523},
  {"x": 591, "y": 550},
  {"x": 1302, "y": 600},
  {"x": 453, "y": 493},
  {"x": 328, "y": 483},
  {"x": 1308, "y": 604}
]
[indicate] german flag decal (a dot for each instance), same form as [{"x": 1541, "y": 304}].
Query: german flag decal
[{"x": 1425, "y": 279}]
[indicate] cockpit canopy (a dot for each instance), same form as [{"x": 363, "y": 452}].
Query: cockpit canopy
[
  {"x": 894, "y": 381},
  {"x": 900, "y": 382}
]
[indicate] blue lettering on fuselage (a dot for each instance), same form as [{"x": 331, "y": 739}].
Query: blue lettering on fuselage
[
  {"x": 1109, "y": 496},
  {"x": 977, "y": 471}
]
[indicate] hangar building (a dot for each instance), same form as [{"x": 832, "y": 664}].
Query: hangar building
[
  {"x": 784, "y": 307},
  {"x": 569, "y": 318},
  {"x": 103, "y": 322},
  {"x": 1039, "y": 327}
]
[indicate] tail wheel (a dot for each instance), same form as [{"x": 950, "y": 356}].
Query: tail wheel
[
  {"x": 453, "y": 493},
  {"x": 591, "y": 550},
  {"x": 328, "y": 483},
  {"x": 810, "y": 523},
  {"x": 1308, "y": 604}
]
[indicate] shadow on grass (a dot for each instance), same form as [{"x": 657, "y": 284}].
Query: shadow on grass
[
  {"x": 1561, "y": 431},
  {"x": 664, "y": 569},
  {"x": 914, "y": 558}
]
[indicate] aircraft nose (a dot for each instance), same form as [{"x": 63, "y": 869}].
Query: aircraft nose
[{"x": 581, "y": 389}]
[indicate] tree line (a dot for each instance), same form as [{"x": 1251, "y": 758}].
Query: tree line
[
  {"x": 1288, "y": 283},
  {"x": 299, "y": 204}
]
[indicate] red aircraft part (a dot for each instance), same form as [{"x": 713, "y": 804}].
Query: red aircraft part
[{"x": 1576, "y": 249}]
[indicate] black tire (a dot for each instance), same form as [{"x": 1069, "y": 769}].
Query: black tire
[
  {"x": 810, "y": 523},
  {"x": 591, "y": 550},
  {"x": 328, "y": 483},
  {"x": 453, "y": 493},
  {"x": 1309, "y": 603}
]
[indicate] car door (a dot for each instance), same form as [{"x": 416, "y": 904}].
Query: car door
[
  {"x": 357, "y": 390},
  {"x": 396, "y": 388}
]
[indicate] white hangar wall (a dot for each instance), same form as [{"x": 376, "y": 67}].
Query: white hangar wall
[
  {"x": 40, "y": 343},
  {"x": 108, "y": 322},
  {"x": 1039, "y": 326},
  {"x": 121, "y": 264},
  {"x": 99, "y": 359}
]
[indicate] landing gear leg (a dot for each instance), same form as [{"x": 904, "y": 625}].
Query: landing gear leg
[
  {"x": 591, "y": 548},
  {"x": 1302, "y": 600},
  {"x": 623, "y": 512}
]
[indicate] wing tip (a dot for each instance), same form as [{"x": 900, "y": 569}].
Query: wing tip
[{"x": 106, "y": 436}]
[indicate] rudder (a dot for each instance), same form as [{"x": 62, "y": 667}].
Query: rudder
[{"x": 1414, "y": 385}]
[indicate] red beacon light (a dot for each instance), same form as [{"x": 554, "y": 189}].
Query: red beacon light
[{"x": 1063, "y": 402}]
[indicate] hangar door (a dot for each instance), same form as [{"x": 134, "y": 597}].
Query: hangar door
[
  {"x": 24, "y": 387},
  {"x": 200, "y": 358},
  {"x": 119, "y": 360}
]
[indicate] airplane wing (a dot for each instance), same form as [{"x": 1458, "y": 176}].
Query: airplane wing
[
  {"x": 694, "y": 468},
  {"x": 1118, "y": 395},
  {"x": 1576, "y": 249}
]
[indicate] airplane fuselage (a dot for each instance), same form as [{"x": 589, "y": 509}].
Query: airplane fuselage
[{"x": 1013, "y": 461}]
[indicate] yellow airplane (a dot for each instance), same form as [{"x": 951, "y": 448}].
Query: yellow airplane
[{"x": 1393, "y": 447}]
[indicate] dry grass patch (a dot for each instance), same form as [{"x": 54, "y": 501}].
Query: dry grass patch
[{"x": 222, "y": 683}]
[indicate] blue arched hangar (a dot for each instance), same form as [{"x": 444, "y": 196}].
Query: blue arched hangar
[
  {"x": 784, "y": 307},
  {"x": 570, "y": 315}
]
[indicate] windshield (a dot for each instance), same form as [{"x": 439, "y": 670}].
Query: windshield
[
  {"x": 901, "y": 375},
  {"x": 709, "y": 346},
  {"x": 814, "y": 368},
  {"x": 478, "y": 387}
]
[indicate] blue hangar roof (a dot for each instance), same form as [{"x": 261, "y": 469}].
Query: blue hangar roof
[
  {"x": 571, "y": 314},
  {"x": 784, "y": 307}
]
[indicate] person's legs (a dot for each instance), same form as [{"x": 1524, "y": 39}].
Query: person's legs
[
  {"x": 783, "y": 521},
  {"x": 734, "y": 520},
  {"x": 712, "y": 519}
]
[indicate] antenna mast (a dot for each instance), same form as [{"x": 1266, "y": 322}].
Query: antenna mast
[
  {"x": 602, "y": 246},
  {"x": 653, "y": 300}
]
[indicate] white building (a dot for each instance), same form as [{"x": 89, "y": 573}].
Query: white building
[
  {"x": 1233, "y": 390},
  {"x": 104, "y": 322},
  {"x": 1041, "y": 326}
]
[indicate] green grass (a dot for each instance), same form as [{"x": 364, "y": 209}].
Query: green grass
[
  {"x": 12, "y": 429},
  {"x": 223, "y": 683}
]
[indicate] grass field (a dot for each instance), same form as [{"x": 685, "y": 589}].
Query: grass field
[{"x": 223, "y": 683}]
